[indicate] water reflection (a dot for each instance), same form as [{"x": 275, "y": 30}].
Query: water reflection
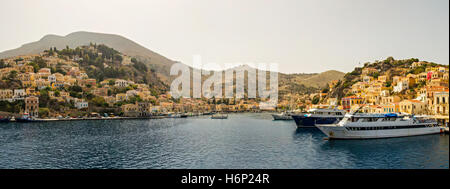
[{"x": 241, "y": 141}]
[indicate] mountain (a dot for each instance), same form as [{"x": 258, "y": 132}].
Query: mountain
[
  {"x": 388, "y": 68},
  {"x": 126, "y": 46},
  {"x": 321, "y": 79},
  {"x": 299, "y": 83},
  {"x": 306, "y": 82},
  {"x": 160, "y": 64}
]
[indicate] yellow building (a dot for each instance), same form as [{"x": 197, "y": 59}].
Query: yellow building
[
  {"x": 32, "y": 106},
  {"x": 391, "y": 108},
  {"x": 6, "y": 94},
  {"x": 390, "y": 99},
  {"x": 440, "y": 103},
  {"x": 412, "y": 107},
  {"x": 130, "y": 110},
  {"x": 121, "y": 97}
]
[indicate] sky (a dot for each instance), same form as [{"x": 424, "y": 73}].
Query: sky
[{"x": 301, "y": 36}]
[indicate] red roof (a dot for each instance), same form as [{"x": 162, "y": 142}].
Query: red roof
[
  {"x": 416, "y": 101},
  {"x": 351, "y": 97}
]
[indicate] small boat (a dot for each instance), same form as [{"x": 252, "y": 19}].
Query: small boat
[
  {"x": 26, "y": 118},
  {"x": 219, "y": 116},
  {"x": 183, "y": 115},
  {"x": 372, "y": 126},
  {"x": 282, "y": 116},
  {"x": 4, "y": 120},
  {"x": 172, "y": 115},
  {"x": 318, "y": 116}
]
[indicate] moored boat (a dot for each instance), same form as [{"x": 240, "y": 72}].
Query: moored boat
[
  {"x": 318, "y": 116},
  {"x": 26, "y": 118},
  {"x": 282, "y": 116},
  {"x": 173, "y": 115},
  {"x": 371, "y": 126},
  {"x": 219, "y": 116},
  {"x": 4, "y": 119},
  {"x": 207, "y": 113}
]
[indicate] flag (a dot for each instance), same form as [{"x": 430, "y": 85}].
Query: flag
[{"x": 429, "y": 74}]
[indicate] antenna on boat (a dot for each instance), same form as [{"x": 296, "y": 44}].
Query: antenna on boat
[{"x": 354, "y": 112}]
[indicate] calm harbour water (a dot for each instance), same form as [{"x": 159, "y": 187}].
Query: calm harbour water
[{"x": 241, "y": 141}]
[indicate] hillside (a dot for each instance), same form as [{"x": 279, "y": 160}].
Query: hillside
[
  {"x": 318, "y": 80},
  {"x": 128, "y": 47},
  {"x": 300, "y": 83},
  {"x": 99, "y": 62},
  {"x": 384, "y": 72},
  {"x": 293, "y": 83}
]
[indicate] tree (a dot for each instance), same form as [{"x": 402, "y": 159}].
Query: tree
[
  {"x": 75, "y": 88},
  {"x": 389, "y": 59},
  {"x": 388, "y": 83},
  {"x": 98, "y": 101},
  {"x": 140, "y": 66},
  {"x": 44, "y": 98},
  {"x": 134, "y": 60},
  {"x": 43, "y": 112},
  {"x": 326, "y": 89},
  {"x": 2, "y": 64},
  {"x": 118, "y": 57},
  {"x": 375, "y": 75},
  {"x": 12, "y": 75},
  {"x": 40, "y": 62},
  {"x": 315, "y": 100}
]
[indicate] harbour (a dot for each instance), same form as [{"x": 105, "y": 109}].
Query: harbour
[{"x": 244, "y": 140}]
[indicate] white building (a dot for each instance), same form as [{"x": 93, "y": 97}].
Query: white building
[
  {"x": 121, "y": 83},
  {"x": 52, "y": 78},
  {"x": 19, "y": 94},
  {"x": 384, "y": 93},
  {"x": 401, "y": 85},
  {"x": 131, "y": 93},
  {"x": 81, "y": 105}
]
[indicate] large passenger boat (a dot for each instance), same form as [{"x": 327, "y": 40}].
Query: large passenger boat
[
  {"x": 370, "y": 126},
  {"x": 318, "y": 116}
]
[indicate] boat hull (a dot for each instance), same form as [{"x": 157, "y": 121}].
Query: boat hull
[
  {"x": 304, "y": 121},
  {"x": 22, "y": 120},
  {"x": 340, "y": 132},
  {"x": 4, "y": 120},
  {"x": 219, "y": 117}
]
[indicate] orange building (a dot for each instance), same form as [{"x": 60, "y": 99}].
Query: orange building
[{"x": 348, "y": 102}]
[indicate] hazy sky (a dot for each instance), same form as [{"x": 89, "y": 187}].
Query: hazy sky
[{"x": 301, "y": 36}]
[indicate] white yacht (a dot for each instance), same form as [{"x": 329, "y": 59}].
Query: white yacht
[{"x": 369, "y": 126}]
